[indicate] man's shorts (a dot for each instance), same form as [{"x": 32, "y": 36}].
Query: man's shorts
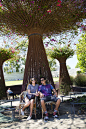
[{"x": 50, "y": 98}]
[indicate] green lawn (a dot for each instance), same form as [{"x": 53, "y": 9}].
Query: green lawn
[
  {"x": 10, "y": 83},
  {"x": 19, "y": 82},
  {"x": 56, "y": 79}
]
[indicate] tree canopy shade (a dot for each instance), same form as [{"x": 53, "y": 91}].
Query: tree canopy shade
[
  {"x": 35, "y": 19},
  {"x": 45, "y": 17},
  {"x": 81, "y": 53}
]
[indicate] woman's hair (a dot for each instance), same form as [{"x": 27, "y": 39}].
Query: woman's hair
[{"x": 31, "y": 80}]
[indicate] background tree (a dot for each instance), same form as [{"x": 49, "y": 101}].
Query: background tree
[
  {"x": 5, "y": 54},
  {"x": 62, "y": 54},
  {"x": 77, "y": 65},
  {"x": 52, "y": 64},
  {"x": 38, "y": 18},
  {"x": 81, "y": 53},
  {"x": 68, "y": 67}
]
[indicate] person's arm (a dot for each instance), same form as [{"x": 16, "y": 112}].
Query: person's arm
[
  {"x": 29, "y": 91},
  {"x": 7, "y": 92},
  {"x": 39, "y": 92},
  {"x": 55, "y": 93}
]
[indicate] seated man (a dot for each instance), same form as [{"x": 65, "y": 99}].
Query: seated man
[
  {"x": 10, "y": 93},
  {"x": 45, "y": 91}
]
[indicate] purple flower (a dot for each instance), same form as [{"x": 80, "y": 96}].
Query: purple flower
[{"x": 53, "y": 40}]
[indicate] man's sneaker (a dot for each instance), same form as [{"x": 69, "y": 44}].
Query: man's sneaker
[
  {"x": 22, "y": 112},
  {"x": 46, "y": 118},
  {"x": 55, "y": 116},
  {"x": 29, "y": 117}
]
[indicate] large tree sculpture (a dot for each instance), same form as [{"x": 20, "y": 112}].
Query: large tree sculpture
[
  {"x": 5, "y": 54},
  {"x": 37, "y": 18},
  {"x": 62, "y": 54}
]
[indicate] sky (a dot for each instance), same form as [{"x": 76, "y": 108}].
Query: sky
[{"x": 72, "y": 61}]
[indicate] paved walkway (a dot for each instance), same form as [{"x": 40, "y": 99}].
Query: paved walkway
[{"x": 66, "y": 121}]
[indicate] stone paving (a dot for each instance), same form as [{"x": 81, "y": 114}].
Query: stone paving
[{"x": 66, "y": 121}]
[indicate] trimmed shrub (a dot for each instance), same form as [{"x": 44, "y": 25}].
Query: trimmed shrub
[
  {"x": 79, "y": 72},
  {"x": 72, "y": 80},
  {"x": 80, "y": 80}
]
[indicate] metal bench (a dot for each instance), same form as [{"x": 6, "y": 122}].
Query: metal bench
[
  {"x": 6, "y": 101},
  {"x": 72, "y": 106},
  {"x": 5, "y": 109}
]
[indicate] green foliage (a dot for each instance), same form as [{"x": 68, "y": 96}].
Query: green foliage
[
  {"x": 77, "y": 65},
  {"x": 7, "y": 53},
  {"x": 51, "y": 61},
  {"x": 65, "y": 88},
  {"x": 68, "y": 67},
  {"x": 72, "y": 80},
  {"x": 81, "y": 53},
  {"x": 80, "y": 80},
  {"x": 62, "y": 52},
  {"x": 78, "y": 72}
]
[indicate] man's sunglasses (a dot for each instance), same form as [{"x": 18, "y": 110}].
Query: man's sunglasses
[{"x": 42, "y": 79}]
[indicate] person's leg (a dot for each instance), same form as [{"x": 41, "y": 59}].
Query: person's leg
[
  {"x": 57, "y": 104},
  {"x": 56, "y": 108},
  {"x": 26, "y": 105},
  {"x": 31, "y": 107},
  {"x": 43, "y": 105},
  {"x": 13, "y": 95}
]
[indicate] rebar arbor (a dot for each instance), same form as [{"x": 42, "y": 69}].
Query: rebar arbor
[
  {"x": 4, "y": 55},
  {"x": 37, "y": 18},
  {"x": 62, "y": 54}
]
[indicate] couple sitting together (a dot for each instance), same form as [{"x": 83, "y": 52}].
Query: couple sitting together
[{"x": 45, "y": 93}]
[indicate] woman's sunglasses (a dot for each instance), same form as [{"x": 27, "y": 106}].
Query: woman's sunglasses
[{"x": 33, "y": 79}]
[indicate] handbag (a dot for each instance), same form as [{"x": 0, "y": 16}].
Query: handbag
[{"x": 30, "y": 96}]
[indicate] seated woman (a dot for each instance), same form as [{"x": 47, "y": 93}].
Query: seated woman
[{"x": 32, "y": 89}]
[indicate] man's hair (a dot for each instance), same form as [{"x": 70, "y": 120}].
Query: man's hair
[{"x": 43, "y": 77}]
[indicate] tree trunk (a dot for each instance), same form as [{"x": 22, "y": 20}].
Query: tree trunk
[
  {"x": 36, "y": 62},
  {"x": 64, "y": 75},
  {"x": 64, "y": 78},
  {"x": 2, "y": 83}
]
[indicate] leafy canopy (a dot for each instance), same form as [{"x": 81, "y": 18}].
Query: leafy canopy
[
  {"x": 42, "y": 16},
  {"x": 6, "y": 54},
  {"x": 65, "y": 52},
  {"x": 81, "y": 53}
]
